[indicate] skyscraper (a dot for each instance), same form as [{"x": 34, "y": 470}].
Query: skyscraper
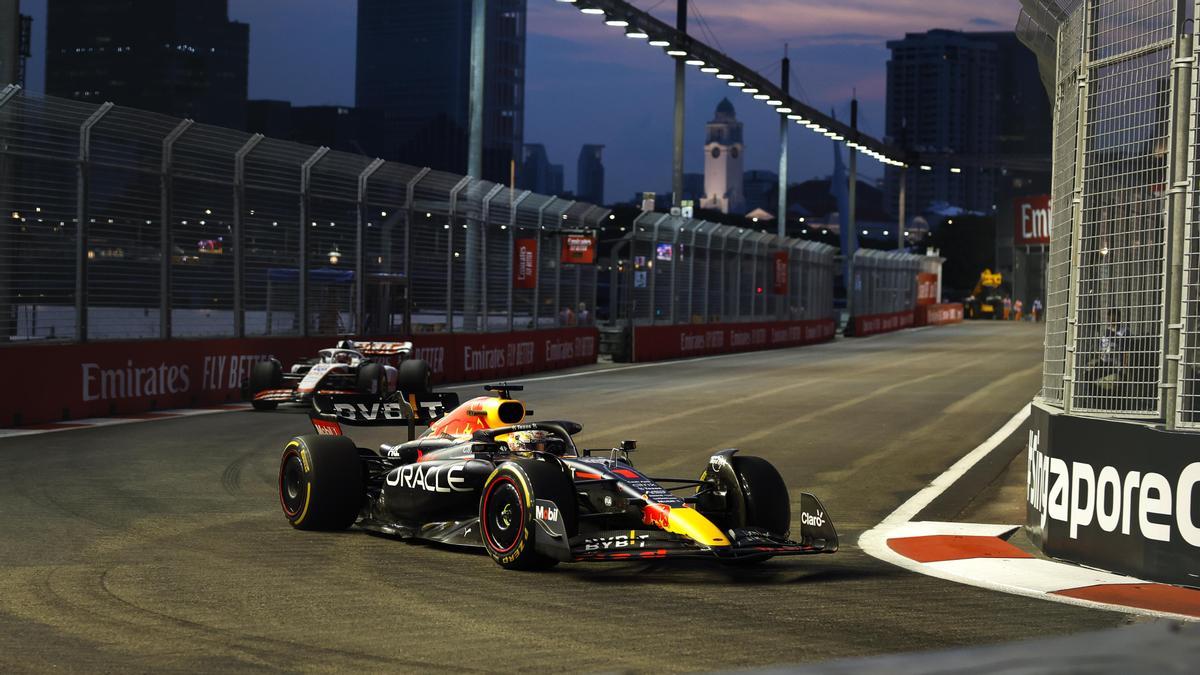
[
  {"x": 414, "y": 59},
  {"x": 723, "y": 188},
  {"x": 178, "y": 57},
  {"x": 538, "y": 173},
  {"x": 589, "y": 179},
  {"x": 941, "y": 98}
]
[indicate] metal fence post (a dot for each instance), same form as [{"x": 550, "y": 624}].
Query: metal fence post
[
  {"x": 458, "y": 187},
  {"x": 652, "y": 272},
  {"x": 82, "y": 211},
  {"x": 360, "y": 268},
  {"x": 1076, "y": 217},
  {"x": 239, "y": 235},
  {"x": 692, "y": 272},
  {"x": 305, "y": 216},
  {"x": 674, "y": 313},
  {"x": 708, "y": 274},
  {"x": 558, "y": 269},
  {"x": 737, "y": 305},
  {"x": 537, "y": 282},
  {"x": 482, "y": 262},
  {"x": 7, "y": 286},
  {"x": 579, "y": 268},
  {"x": 166, "y": 207},
  {"x": 411, "y": 209},
  {"x": 512, "y": 244},
  {"x": 1173, "y": 285}
]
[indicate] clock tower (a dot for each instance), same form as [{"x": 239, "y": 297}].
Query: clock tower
[{"x": 723, "y": 190}]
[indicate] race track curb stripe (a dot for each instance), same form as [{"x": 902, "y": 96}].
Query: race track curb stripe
[{"x": 980, "y": 555}]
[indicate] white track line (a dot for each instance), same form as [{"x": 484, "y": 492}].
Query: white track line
[{"x": 1028, "y": 577}]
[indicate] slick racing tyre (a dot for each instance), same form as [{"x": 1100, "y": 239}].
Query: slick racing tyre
[
  {"x": 764, "y": 495},
  {"x": 507, "y": 515},
  {"x": 265, "y": 375},
  {"x": 414, "y": 377},
  {"x": 372, "y": 379},
  {"x": 756, "y": 497},
  {"x": 321, "y": 482}
]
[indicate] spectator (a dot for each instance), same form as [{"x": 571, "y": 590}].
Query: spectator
[
  {"x": 1018, "y": 308},
  {"x": 583, "y": 316},
  {"x": 1037, "y": 309},
  {"x": 1007, "y": 308},
  {"x": 566, "y": 317}
]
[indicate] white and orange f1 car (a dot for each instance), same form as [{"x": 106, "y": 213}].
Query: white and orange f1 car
[{"x": 378, "y": 369}]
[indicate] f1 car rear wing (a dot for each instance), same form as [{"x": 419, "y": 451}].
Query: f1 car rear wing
[
  {"x": 367, "y": 410},
  {"x": 384, "y": 348}
]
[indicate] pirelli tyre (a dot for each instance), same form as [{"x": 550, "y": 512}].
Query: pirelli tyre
[
  {"x": 321, "y": 482},
  {"x": 508, "y": 514},
  {"x": 755, "y": 497},
  {"x": 414, "y": 377},
  {"x": 371, "y": 379},
  {"x": 265, "y": 375}
]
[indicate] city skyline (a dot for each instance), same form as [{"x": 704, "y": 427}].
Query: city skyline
[{"x": 587, "y": 84}]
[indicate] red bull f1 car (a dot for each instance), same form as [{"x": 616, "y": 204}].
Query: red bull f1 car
[
  {"x": 347, "y": 368},
  {"x": 481, "y": 475}
]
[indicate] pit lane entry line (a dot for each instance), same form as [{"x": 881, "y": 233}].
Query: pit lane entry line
[{"x": 979, "y": 555}]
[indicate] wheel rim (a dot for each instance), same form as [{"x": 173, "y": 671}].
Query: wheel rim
[
  {"x": 503, "y": 515},
  {"x": 291, "y": 484}
]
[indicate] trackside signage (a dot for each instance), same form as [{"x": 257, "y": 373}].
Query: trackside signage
[
  {"x": 938, "y": 315},
  {"x": 655, "y": 343},
  {"x": 874, "y": 324},
  {"x": 1114, "y": 495},
  {"x": 73, "y": 381},
  {"x": 1031, "y": 224}
]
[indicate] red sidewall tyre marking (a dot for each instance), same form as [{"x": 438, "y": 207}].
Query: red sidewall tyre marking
[{"x": 484, "y": 521}]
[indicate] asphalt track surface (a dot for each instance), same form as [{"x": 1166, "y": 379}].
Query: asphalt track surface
[{"x": 161, "y": 546}]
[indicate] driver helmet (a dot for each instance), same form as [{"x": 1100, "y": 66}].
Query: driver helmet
[
  {"x": 534, "y": 441},
  {"x": 342, "y": 357},
  {"x": 346, "y": 344}
]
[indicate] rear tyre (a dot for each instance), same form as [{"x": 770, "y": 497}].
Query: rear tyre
[
  {"x": 506, "y": 511},
  {"x": 372, "y": 379},
  {"x": 414, "y": 377},
  {"x": 321, "y": 482},
  {"x": 265, "y": 375}
]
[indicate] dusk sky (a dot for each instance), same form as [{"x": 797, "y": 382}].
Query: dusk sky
[{"x": 587, "y": 83}]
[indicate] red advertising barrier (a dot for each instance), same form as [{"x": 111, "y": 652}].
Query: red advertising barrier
[
  {"x": 874, "y": 324},
  {"x": 73, "y": 381},
  {"x": 927, "y": 288},
  {"x": 938, "y": 315},
  {"x": 656, "y": 343},
  {"x": 1031, "y": 220}
]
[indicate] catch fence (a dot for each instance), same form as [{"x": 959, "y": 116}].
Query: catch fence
[
  {"x": 1123, "y": 301},
  {"x": 125, "y": 224},
  {"x": 672, "y": 270}
]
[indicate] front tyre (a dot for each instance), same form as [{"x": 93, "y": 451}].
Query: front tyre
[
  {"x": 755, "y": 497},
  {"x": 507, "y": 515},
  {"x": 321, "y": 482}
]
